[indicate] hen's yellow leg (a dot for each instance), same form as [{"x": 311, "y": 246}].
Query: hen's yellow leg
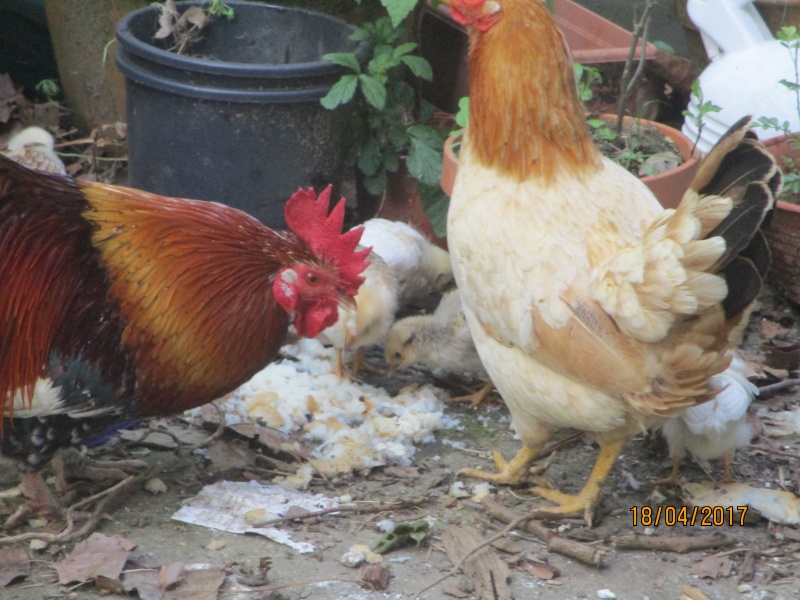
[
  {"x": 727, "y": 475},
  {"x": 674, "y": 478},
  {"x": 475, "y": 398},
  {"x": 586, "y": 500},
  {"x": 510, "y": 473}
]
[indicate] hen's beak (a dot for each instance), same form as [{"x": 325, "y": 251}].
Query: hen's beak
[{"x": 392, "y": 368}]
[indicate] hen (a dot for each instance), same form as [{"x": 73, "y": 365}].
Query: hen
[
  {"x": 419, "y": 267},
  {"x": 440, "y": 340},
  {"x": 715, "y": 428},
  {"x": 591, "y": 306},
  {"x": 118, "y": 303},
  {"x": 366, "y": 322}
]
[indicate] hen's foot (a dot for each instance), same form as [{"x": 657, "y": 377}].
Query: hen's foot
[
  {"x": 513, "y": 472},
  {"x": 71, "y": 464},
  {"x": 586, "y": 501},
  {"x": 475, "y": 398},
  {"x": 674, "y": 478}
]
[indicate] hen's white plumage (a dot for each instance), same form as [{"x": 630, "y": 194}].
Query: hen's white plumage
[
  {"x": 419, "y": 266},
  {"x": 34, "y": 147},
  {"x": 376, "y": 305},
  {"x": 716, "y": 428}
]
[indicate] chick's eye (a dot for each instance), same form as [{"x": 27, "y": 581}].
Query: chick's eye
[
  {"x": 312, "y": 278},
  {"x": 398, "y": 355}
]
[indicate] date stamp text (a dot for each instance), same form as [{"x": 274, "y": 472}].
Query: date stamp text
[{"x": 706, "y": 516}]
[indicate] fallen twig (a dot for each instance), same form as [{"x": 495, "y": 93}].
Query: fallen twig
[
  {"x": 584, "y": 553},
  {"x": 68, "y": 534},
  {"x": 773, "y": 389},
  {"x": 344, "y": 509},
  {"x": 768, "y": 450},
  {"x": 690, "y": 593},
  {"x": 672, "y": 543}
]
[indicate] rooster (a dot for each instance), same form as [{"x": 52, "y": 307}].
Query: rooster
[
  {"x": 118, "y": 304},
  {"x": 590, "y": 305}
]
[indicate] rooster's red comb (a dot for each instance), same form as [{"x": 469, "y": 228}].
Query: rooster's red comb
[{"x": 307, "y": 216}]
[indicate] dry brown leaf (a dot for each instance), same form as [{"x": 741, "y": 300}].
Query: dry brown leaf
[
  {"x": 14, "y": 564},
  {"x": 202, "y": 584},
  {"x": 786, "y": 356},
  {"x": 145, "y": 583},
  {"x": 402, "y": 472},
  {"x": 98, "y": 555},
  {"x": 542, "y": 570},
  {"x": 712, "y": 567},
  {"x": 170, "y": 574},
  {"x": 770, "y": 329}
]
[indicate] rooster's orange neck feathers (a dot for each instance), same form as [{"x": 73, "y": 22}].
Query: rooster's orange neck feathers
[{"x": 526, "y": 119}]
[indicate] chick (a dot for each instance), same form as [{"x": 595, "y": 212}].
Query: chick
[
  {"x": 419, "y": 266},
  {"x": 34, "y": 147},
  {"x": 441, "y": 341},
  {"x": 367, "y": 324},
  {"x": 715, "y": 428}
]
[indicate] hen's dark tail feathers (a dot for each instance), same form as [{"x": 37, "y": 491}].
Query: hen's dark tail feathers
[{"x": 740, "y": 167}]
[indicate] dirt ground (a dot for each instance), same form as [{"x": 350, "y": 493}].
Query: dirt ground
[{"x": 763, "y": 562}]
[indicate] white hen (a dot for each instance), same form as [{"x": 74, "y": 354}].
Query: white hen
[
  {"x": 716, "y": 428},
  {"x": 419, "y": 266},
  {"x": 376, "y": 304},
  {"x": 34, "y": 147},
  {"x": 441, "y": 340}
]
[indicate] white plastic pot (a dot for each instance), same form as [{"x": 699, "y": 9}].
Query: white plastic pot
[{"x": 745, "y": 73}]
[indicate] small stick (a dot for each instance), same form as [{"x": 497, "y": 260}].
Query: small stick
[
  {"x": 690, "y": 593},
  {"x": 769, "y": 450},
  {"x": 773, "y": 389},
  {"x": 584, "y": 553},
  {"x": 347, "y": 508},
  {"x": 673, "y": 543}
]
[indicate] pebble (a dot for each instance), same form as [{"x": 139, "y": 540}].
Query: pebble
[{"x": 606, "y": 593}]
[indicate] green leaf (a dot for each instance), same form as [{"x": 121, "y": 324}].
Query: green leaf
[
  {"x": 345, "y": 59},
  {"x": 341, "y": 92},
  {"x": 374, "y": 91},
  {"x": 462, "y": 116},
  {"x": 404, "y": 49},
  {"x": 399, "y": 9},
  {"x": 375, "y": 184},
  {"x": 369, "y": 158},
  {"x": 435, "y": 203},
  {"x": 419, "y": 67},
  {"x": 424, "y": 160}
]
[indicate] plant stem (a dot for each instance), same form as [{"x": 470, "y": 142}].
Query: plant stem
[{"x": 641, "y": 28}]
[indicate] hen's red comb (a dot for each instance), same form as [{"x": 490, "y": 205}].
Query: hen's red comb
[{"x": 307, "y": 216}]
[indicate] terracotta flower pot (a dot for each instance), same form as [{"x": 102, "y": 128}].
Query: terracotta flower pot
[
  {"x": 668, "y": 187},
  {"x": 783, "y": 233}
]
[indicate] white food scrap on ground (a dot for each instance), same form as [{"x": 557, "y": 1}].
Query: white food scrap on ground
[
  {"x": 225, "y": 505},
  {"x": 776, "y": 505},
  {"x": 350, "y": 425}
]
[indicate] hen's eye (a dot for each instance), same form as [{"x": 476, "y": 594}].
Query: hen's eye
[
  {"x": 312, "y": 278},
  {"x": 398, "y": 355}
]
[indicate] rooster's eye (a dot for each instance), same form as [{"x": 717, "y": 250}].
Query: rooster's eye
[{"x": 312, "y": 278}]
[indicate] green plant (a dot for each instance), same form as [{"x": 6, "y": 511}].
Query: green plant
[
  {"x": 704, "y": 107},
  {"x": 586, "y": 77},
  {"x": 49, "y": 88},
  {"x": 789, "y": 38},
  {"x": 390, "y": 120}
]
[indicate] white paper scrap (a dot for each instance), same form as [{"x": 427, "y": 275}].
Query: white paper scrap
[{"x": 223, "y": 505}]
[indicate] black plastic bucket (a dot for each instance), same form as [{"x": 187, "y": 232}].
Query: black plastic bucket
[{"x": 239, "y": 120}]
